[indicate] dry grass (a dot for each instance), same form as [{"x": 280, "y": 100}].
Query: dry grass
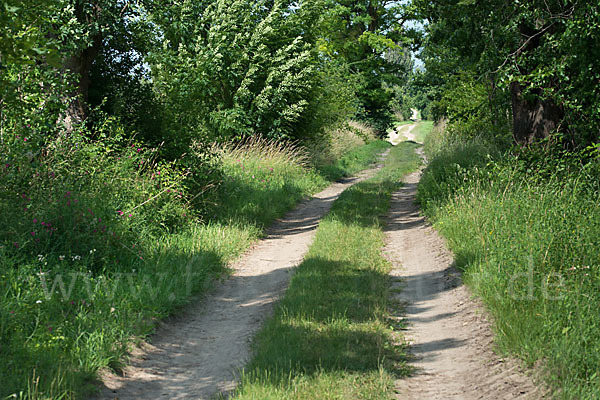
[
  {"x": 271, "y": 151},
  {"x": 337, "y": 142}
]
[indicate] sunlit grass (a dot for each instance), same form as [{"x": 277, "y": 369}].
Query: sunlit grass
[
  {"x": 330, "y": 337},
  {"x": 528, "y": 241},
  {"x": 65, "y": 315}
]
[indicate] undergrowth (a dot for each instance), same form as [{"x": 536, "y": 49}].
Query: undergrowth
[
  {"x": 330, "y": 337},
  {"x": 524, "y": 226},
  {"x": 99, "y": 240}
]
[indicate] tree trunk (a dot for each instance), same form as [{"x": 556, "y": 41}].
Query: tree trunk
[
  {"x": 533, "y": 119},
  {"x": 80, "y": 65}
]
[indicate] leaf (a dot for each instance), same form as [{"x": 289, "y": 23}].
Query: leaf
[{"x": 11, "y": 9}]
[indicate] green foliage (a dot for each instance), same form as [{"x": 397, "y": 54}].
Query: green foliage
[
  {"x": 108, "y": 115},
  {"x": 331, "y": 336},
  {"x": 524, "y": 226},
  {"x": 368, "y": 36},
  {"x": 246, "y": 69},
  {"x": 546, "y": 47},
  {"x": 25, "y": 26}
]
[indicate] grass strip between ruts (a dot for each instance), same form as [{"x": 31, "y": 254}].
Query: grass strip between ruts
[{"x": 331, "y": 336}]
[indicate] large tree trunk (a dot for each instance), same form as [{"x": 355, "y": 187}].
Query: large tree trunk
[
  {"x": 80, "y": 64},
  {"x": 533, "y": 119}
]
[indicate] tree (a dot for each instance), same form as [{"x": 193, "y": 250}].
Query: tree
[
  {"x": 362, "y": 33},
  {"x": 540, "y": 52},
  {"x": 239, "y": 68},
  {"x": 96, "y": 24}
]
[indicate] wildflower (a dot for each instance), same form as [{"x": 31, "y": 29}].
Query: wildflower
[
  {"x": 16, "y": 244},
  {"x": 61, "y": 258},
  {"x": 120, "y": 212},
  {"x": 130, "y": 215},
  {"x": 67, "y": 194},
  {"x": 271, "y": 169},
  {"x": 32, "y": 233},
  {"x": 168, "y": 190},
  {"x": 24, "y": 139},
  {"x": 12, "y": 312},
  {"x": 99, "y": 219},
  {"x": 68, "y": 203},
  {"x": 38, "y": 302},
  {"x": 49, "y": 329},
  {"x": 138, "y": 150},
  {"x": 35, "y": 221},
  {"x": 40, "y": 257}
]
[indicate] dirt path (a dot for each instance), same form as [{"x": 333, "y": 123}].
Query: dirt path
[
  {"x": 450, "y": 337},
  {"x": 402, "y": 134},
  {"x": 199, "y": 354}
]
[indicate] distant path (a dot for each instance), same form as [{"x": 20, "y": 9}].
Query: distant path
[
  {"x": 199, "y": 354},
  {"x": 450, "y": 337},
  {"x": 401, "y": 134},
  {"x": 415, "y": 114}
]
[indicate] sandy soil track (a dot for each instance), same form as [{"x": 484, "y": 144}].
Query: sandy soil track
[
  {"x": 199, "y": 353},
  {"x": 450, "y": 336}
]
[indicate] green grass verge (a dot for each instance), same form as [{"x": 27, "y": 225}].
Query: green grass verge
[
  {"x": 62, "y": 317},
  {"x": 353, "y": 161},
  {"x": 527, "y": 236},
  {"x": 422, "y": 130},
  {"x": 331, "y": 336}
]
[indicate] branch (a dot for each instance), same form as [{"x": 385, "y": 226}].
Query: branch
[{"x": 520, "y": 49}]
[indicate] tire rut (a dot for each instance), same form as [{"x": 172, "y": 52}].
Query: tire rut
[
  {"x": 199, "y": 353},
  {"x": 448, "y": 331}
]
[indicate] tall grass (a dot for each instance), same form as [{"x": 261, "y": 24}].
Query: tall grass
[
  {"x": 526, "y": 232},
  {"x": 121, "y": 245},
  {"x": 331, "y": 336},
  {"x": 328, "y": 148}
]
